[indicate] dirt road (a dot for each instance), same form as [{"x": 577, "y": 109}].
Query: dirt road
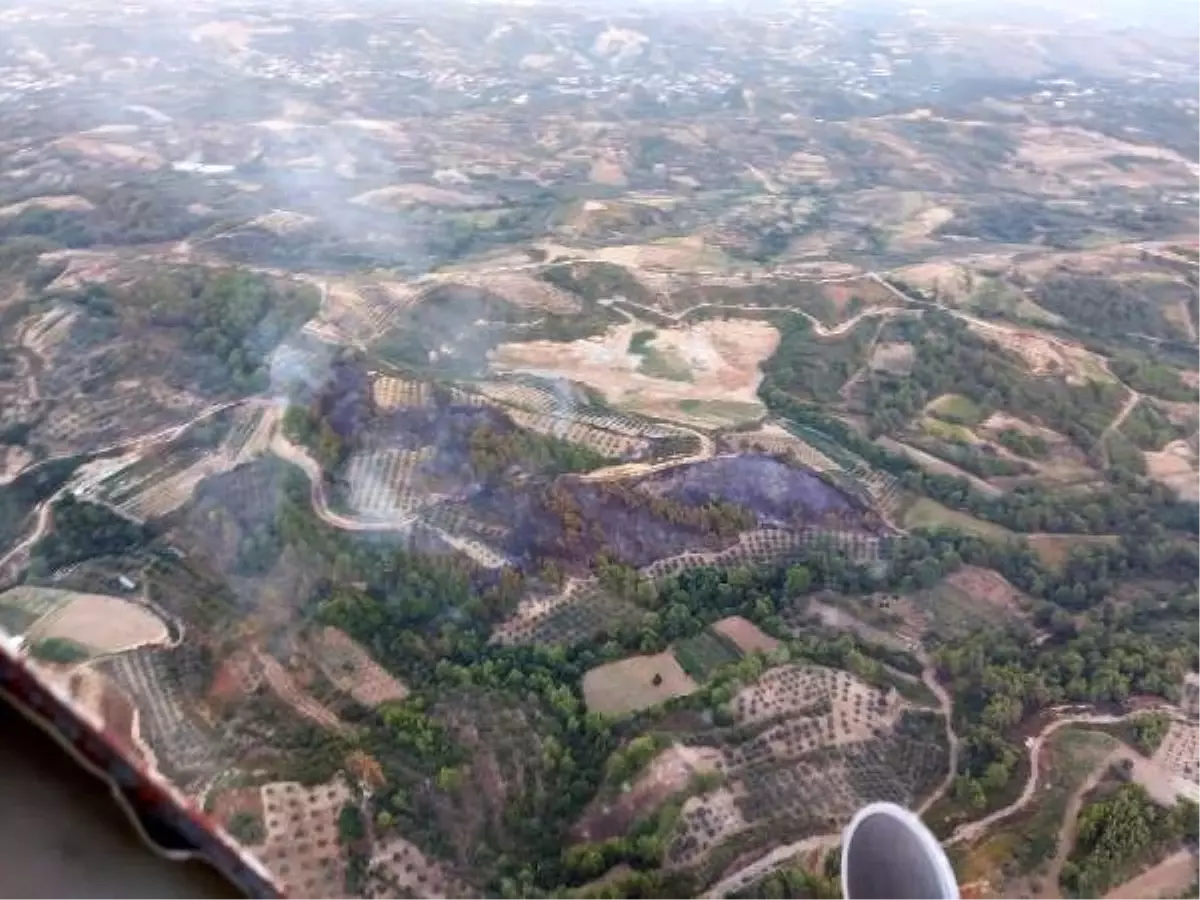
[
  {"x": 972, "y": 830},
  {"x": 1070, "y": 821},
  {"x": 818, "y": 326},
  {"x": 707, "y": 450},
  {"x": 1170, "y": 878},
  {"x": 1132, "y": 401},
  {"x": 769, "y": 863},
  {"x": 286, "y": 450},
  {"x": 929, "y": 677}
]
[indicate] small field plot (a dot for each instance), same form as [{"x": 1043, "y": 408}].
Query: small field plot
[
  {"x": 887, "y": 621},
  {"x": 1176, "y": 467},
  {"x": 612, "y": 815},
  {"x": 399, "y": 869},
  {"x": 353, "y": 670},
  {"x": 392, "y": 393},
  {"x": 746, "y": 636},
  {"x": 301, "y": 845},
  {"x": 102, "y": 624},
  {"x": 629, "y": 685},
  {"x": 702, "y": 655},
  {"x": 381, "y": 482},
  {"x": 926, "y": 513}
]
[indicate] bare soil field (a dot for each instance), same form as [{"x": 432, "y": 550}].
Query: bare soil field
[
  {"x": 947, "y": 281},
  {"x": 1176, "y": 467},
  {"x": 96, "y": 694},
  {"x": 627, "y": 685},
  {"x": 748, "y": 636},
  {"x": 667, "y": 774},
  {"x": 353, "y": 670},
  {"x": 679, "y": 254},
  {"x": 989, "y": 587},
  {"x": 1170, "y": 878},
  {"x": 723, "y": 359},
  {"x": 104, "y": 624},
  {"x": 302, "y": 847}
]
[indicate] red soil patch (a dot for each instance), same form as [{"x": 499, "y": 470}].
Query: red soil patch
[{"x": 748, "y": 636}]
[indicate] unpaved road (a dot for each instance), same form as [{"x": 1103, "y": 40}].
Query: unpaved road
[
  {"x": 1070, "y": 821},
  {"x": 972, "y": 830},
  {"x": 1132, "y": 401},
  {"x": 707, "y": 450},
  {"x": 769, "y": 863},
  {"x": 286, "y": 450},
  {"x": 929, "y": 677},
  {"x": 818, "y": 326}
]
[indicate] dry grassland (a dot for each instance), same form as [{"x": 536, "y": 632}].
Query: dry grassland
[
  {"x": 627, "y": 685},
  {"x": 401, "y": 195},
  {"x": 61, "y": 202},
  {"x": 895, "y": 357},
  {"x": 748, "y": 636},
  {"x": 931, "y": 463},
  {"x": 1170, "y": 878},
  {"x": 1045, "y": 355}
]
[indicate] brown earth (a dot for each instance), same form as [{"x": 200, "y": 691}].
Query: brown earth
[
  {"x": 627, "y": 685},
  {"x": 748, "y": 636},
  {"x": 668, "y": 773}
]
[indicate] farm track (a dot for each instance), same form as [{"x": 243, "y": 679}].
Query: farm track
[
  {"x": 289, "y": 452},
  {"x": 139, "y": 442},
  {"x": 1070, "y": 822},
  {"x": 1130, "y": 404},
  {"x": 819, "y": 327},
  {"x": 972, "y": 830},
  {"x": 946, "y": 704}
]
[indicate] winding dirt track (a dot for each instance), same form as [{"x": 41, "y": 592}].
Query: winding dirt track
[
  {"x": 289, "y": 452},
  {"x": 971, "y": 830},
  {"x": 929, "y": 677}
]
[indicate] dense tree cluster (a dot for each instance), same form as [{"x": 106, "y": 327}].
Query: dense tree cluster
[
  {"x": 83, "y": 530},
  {"x": 494, "y": 452},
  {"x": 1105, "y": 306},
  {"x": 1120, "y": 834},
  {"x": 952, "y": 359}
]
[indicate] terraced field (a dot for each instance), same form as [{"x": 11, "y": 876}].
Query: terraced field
[
  {"x": 381, "y": 482},
  {"x": 182, "y": 749}
]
